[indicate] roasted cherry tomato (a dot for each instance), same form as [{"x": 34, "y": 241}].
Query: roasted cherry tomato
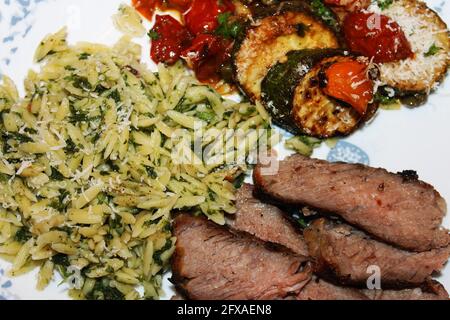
[
  {"x": 206, "y": 55},
  {"x": 169, "y": 39},
  {"x": 376, "y": 36},
  {"x": 202, "y": 15},
  {"x": 348, "y": 81}
]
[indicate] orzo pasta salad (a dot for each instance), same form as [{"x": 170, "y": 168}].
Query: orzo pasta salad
[{"x": 98, "y": 156}]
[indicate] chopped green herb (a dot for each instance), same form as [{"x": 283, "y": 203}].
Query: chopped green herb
[
  {"x": 84, "y": 56},
  {"x": 151, "y": 172},
  {"x": 116, "y": 225},
  {"x": 206, "y": 116},
  {"x": 152, "y": 222},
  {"x": 384, "y": 4},
  {"x": 103, "y": 291},
  {"x": 65, "y": 229},
  {"x": 61, "y": 260},
  {"x": 22, "y": 235},
  {"x": 325, "y": 13},
  {"x": 61, "y": 203},
  {"x": 78, "y": 116},
  {"x": 103, "y": 198},
  {"x": 71, "y": 147},
  {"x": 16, "y": 136},
  {"x": 4, "y": 177},
  {"x": 167, "y": 227},
  {"x": 115, "y": 95},
  {"x": 56, "y": 175},
  {"x": 99, "y": 89},
  {"x": 384, "y": 96},
  {"x": 157, "y": 254},
  {"x": 432, "y": 51},
  {"x": 302, "y": 222},
  {"x": 112, "y": 165},
  {"x": 79, "y": 82},
  {"x": 227, "y": 28},
  {"x": 30, "y": 131},
  {"x": 153, "y": 35},
  {"x": 239, "y": 181}
]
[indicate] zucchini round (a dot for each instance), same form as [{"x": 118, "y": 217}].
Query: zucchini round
[
  {"x": 430, "y": 42},
  {"x": 268, "y": 41},
  {"x": 277, "y": 88},
  {"x": 319, "y": 115}
]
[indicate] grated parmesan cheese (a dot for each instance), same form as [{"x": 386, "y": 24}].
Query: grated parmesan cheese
[{"x": 419, "y": 72}]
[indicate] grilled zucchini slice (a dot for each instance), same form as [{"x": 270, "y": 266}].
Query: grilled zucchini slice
[
  {"x": 268, "y": 41},
  {"x": 319, "y": 115},
  {"x": 277, "y": 88},
  {"x": 430, "y": 42}
]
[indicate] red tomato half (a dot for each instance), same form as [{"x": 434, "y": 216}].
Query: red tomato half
[
  {"x": 169, "y": 39},
  {"x": 202, "y": 15},
  {"x": 376, "y": 36}
]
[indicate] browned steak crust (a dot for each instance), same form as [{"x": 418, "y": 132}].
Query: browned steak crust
[
  {"x": 396, "y": 208},
  {"x": 212, "y": 263},
  {"x": 341, "y": 252},
  {"x": 318, "y": 289},
  {"x": 265, "y": 222},
  {"x": 431, "y": 290}
]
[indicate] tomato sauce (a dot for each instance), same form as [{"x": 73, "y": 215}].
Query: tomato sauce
[
  {"x": 194, "y": 39},
  {"x": 206, "y": 56},
  {"x": 203, "y": 15},
  {"x": 169, "y": 39}
]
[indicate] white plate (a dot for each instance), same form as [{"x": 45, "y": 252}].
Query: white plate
[{"x": 415, "y": 139}]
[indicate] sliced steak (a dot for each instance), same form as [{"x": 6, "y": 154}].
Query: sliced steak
[
  {"x": 318, "y": 289},
  {"x": 342, "y": 252},
  {"x": 265, "y": 222},
  {"x": 212, "y": 263},
  {"x": 431, "y": 290},
  {"x": 397, "y": 208}
]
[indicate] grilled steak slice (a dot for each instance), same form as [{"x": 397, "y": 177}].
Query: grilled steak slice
[
  {"x": 318, "y": 289},
  {"x": 431, "y": 290},
  {"x": 341, "y": 252},
  {"x": 397, "y": 208},
  {"x": 212, "y": 263},
  {"x": 265, "y": 222}
]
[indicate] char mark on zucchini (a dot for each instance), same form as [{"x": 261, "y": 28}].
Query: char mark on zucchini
[{"x": 277, "y": 88}]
